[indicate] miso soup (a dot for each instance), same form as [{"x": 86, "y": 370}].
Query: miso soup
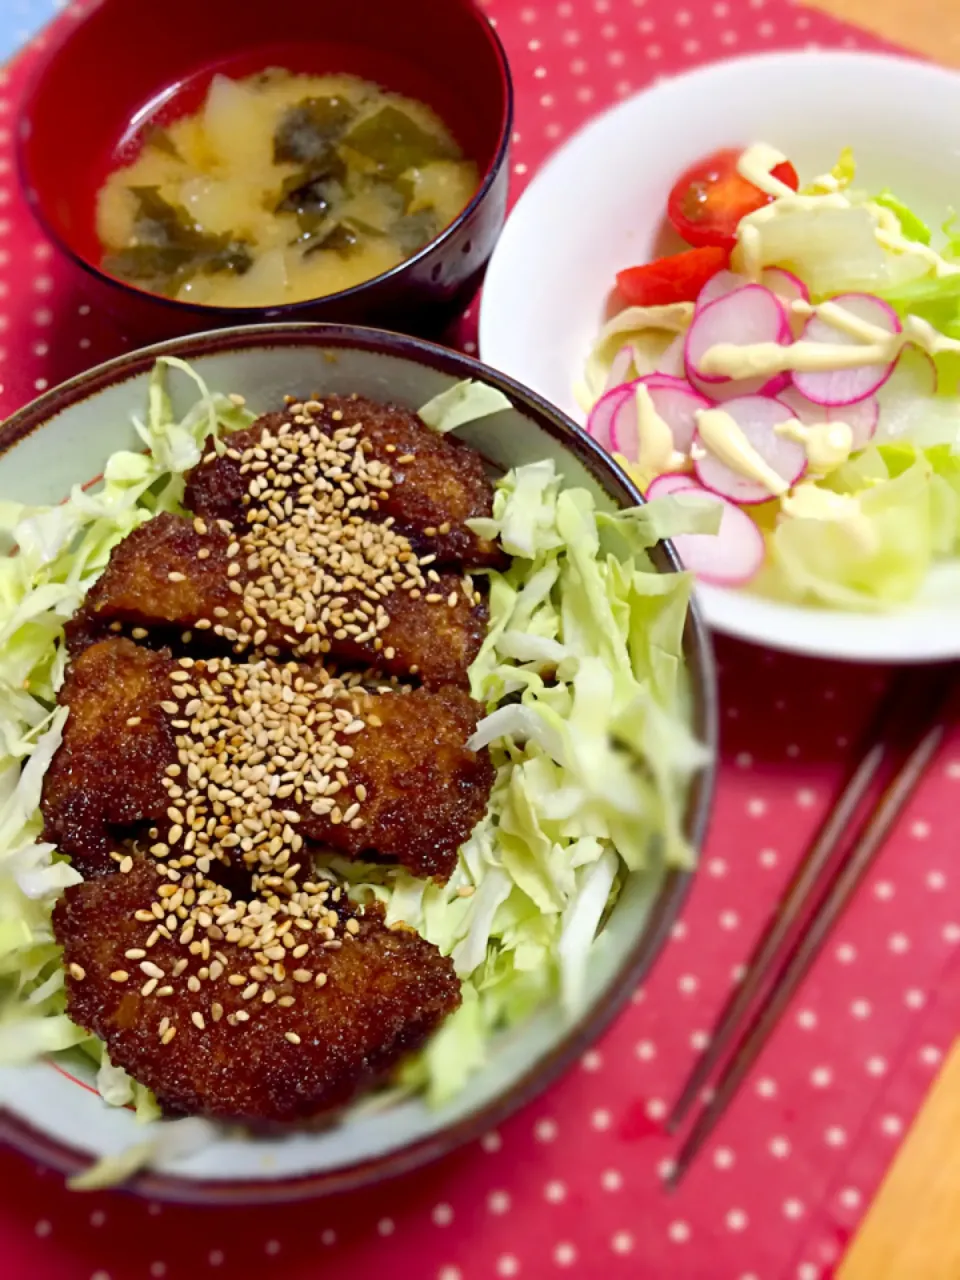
[{"x": 282, "y": 188}]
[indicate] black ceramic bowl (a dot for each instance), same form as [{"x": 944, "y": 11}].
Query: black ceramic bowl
[
  {"x": 66, "y": 436},
  {"x": 127, "y": 63}
]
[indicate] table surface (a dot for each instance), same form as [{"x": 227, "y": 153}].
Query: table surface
[
  {"x": 573, "y": 1185},
  {"x": 930, "y": 27},
  {"x": 21, "y": 19}
]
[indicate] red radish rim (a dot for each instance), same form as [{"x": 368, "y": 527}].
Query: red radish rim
[
  {"x": 700, "y": 304},
  {"x": 895, "y": 331},
  {"x": 794, "y": 477},
  {"x": 689, "y": 485},
  {"x": 716, "y": 392},
  {"x": 795, "y": 281},
  {"x": 912, "y": 350},
  {"x": 725, "y": 580},
  {"x": 620, "y": 363},
  {"x": 616, "y": 446},
  {"x": 653, "y": 382},
  {"x": 601, "y": 406},
  {"x": 663, "y": 382},
  {"x": 666, "y": 481},
  {"x": 738, "y": 502}
]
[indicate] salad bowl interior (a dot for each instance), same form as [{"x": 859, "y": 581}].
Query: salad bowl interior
[
  {"x": 50, "y": 1108},
  {"x": 538, "y": 324}
]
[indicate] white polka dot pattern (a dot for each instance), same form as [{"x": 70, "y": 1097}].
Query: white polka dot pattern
[{"x": 574, "y": 1183}]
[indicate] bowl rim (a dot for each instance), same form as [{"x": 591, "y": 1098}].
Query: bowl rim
[
  {"x": 645, "y": 949},
  {"x": 288, "y": 312}
]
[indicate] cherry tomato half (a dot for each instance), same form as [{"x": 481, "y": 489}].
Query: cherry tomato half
[
  {"x": 676, "y": 279},
  {"x": 708, "y": 201}
]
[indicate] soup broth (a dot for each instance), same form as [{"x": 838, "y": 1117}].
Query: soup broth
[{"x": 282, "y": 188}]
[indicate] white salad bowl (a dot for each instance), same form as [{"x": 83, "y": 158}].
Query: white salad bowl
[
  {"x": 49, "y": 1108},
  {"x": 598, "y": 206}
]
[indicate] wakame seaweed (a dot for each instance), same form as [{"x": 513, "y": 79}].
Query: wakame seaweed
[
  {"x": 393, "y": 142},
  {"x": 171, "y": 248},
  {"x": 308, "y": 132}
]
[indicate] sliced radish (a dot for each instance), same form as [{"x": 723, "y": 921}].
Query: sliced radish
[
  {"x": 904, "y": 400},
  {"x": 671, "y": 362},
  {"x": 789, "y": 288},
  {"x": 861, "y": 417},
  {"x": 785, "y": 285},
  {"x": 749, "y": 315},
  {"x": 735, "y": 388},
  {"x": 601, "y": 415},
  {"x": 756, "y": 416},
  {"x": 619, "y": 368},
  {"x": 719, "y": 286},
  {"x": 675, "y": 402},
  {"x": 671, "y": 482},
  {"x": 801, "y": 407},
  {"x": 728, "y": 558},
  {"x": 846, "y": 386}
]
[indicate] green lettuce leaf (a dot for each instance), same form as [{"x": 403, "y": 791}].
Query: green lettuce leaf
[
  {"x": 912, "y": 226},
  {"x": 907, "y": 511}
]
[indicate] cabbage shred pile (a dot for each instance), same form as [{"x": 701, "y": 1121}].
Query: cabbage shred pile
[{"x": 581, "y": 673}]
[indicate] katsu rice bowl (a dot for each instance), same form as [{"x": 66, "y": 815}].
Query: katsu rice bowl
[{"x": 357, "y": 739}]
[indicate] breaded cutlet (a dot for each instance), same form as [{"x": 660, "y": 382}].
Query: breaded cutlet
[
  {"x": 260, "y": 759},
  {"x": 437, "y": 483},
  {"x": 213, "y": 1031},
  {"x": 167, "y": 575}
]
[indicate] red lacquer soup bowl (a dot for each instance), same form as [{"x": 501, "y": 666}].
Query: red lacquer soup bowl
[{"x": 126, "y": 65}]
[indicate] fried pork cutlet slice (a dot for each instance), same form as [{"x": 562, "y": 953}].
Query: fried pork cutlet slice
[
  {"x": 220, "y": 1034},
  {"x": 434, "y": 483},
  {"x": 168, "y": 575},
  {"x": 106, "y": 778},
  {"x": 247, "y": 763}
]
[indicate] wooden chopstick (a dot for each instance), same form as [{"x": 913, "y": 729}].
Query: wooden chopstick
[
  {"x": 807, "y": 876},
  {"x": 909, "y": 729}
]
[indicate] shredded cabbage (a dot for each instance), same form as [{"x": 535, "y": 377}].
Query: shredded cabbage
[
  {"x": 583, "y": 678},
  {"x": 60, "y": 553},
  {"x": 167, "y": 1143},
  {"x": 462, "y": 403}
]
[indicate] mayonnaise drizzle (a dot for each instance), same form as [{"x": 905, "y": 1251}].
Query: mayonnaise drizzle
[
  {"x": 755, "y": 165},
  {"x": 655, "y": 450},
  {"x": 725, "y": 440},
  {"x": 751, "y": 250},
  {"x": 874, "y": 346},
  {"x": 809, "y": 502},
  {"x": 763, "y": 359},
  {"x": 828, "y": 445}
]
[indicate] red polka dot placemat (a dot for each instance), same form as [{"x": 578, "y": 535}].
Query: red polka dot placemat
[{"x": 573, "y": 1184}]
